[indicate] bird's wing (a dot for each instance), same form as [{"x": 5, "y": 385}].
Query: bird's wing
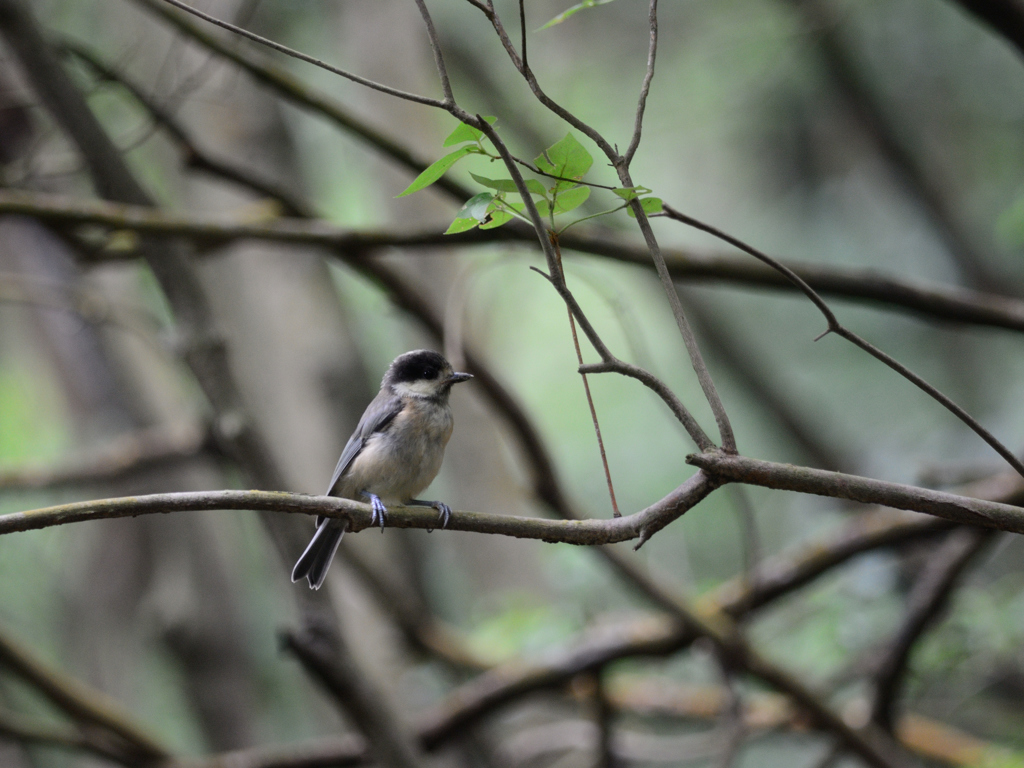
[{"x": 376, "y": 418}]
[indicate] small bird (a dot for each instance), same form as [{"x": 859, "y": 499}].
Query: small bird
[{"x": 394, "y": 454}]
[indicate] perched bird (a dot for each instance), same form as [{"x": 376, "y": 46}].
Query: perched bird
[{"x": 394, "y": 454}]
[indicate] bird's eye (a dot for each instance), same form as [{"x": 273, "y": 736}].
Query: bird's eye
[{"x": 428, "y": 373}]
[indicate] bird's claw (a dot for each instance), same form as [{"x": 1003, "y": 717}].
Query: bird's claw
[
  {"x": 445, "y": 513},
  {"x": 379, "y": 514}
]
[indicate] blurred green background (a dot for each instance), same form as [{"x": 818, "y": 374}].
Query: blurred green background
[{"x": 748, "y": 127}]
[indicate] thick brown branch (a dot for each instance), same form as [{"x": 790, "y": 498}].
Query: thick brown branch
[
  {"x": 591, "y": 531},
  {"x": 786, "y": 477}
]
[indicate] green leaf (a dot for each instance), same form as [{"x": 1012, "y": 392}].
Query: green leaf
[
  {"x": 566, "y": 159},
  {"x": 436, "y": 170},
  {"x": 497, "y": 219},
  {"x": 628, "y": 193},
  {"x": 507, "y": 185},
  {"x": 570, "y": 199},
  {"x": 461, "y": 225},
  {"x": 649, "y": 204},
  {"x": 574, "y": 9},
  {"x": 466, "y": 133},
  {"x": 476, "y": 207}
]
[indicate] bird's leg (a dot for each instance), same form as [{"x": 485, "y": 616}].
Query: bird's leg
[
  {"x": 444, "y": 510},
  {"x": 380, "y": 512}
]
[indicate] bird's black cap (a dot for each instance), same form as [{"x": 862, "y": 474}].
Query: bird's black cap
[{"x": 415, "y": 366}]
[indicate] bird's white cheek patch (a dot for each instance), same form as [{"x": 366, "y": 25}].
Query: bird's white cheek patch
[{"x": 421, "y": 388}]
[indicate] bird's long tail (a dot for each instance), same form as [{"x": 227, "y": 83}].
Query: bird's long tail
[{"x": 314, "y": 562}]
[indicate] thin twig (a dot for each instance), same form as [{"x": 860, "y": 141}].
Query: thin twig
[
  {"x": 539, "y": 93},
  {"x": 305, "y": 57},
  {"x": 689, "y": 340},
  {"x": 586, "y": 389},
  {"x": 548, "y": 248},
  {"x": 834, "y": 326},
  {"x": 618, "y": 162},
  {"x": 652, "y": 52},
  {"x": 435, "y": 49},
  {"x": 522, "y": 34},
  {"x": 779, "y": 403}
]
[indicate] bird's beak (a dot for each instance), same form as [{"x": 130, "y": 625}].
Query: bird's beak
[{"x": 456, "y": 377}]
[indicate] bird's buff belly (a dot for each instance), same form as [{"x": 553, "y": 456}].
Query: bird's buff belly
[{"x": 397, "y": 467}]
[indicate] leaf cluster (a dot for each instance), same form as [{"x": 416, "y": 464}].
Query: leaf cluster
[{"x": 562, "y": 167}]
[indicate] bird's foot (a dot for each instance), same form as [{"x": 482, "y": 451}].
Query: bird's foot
[
  {"x": 445, "y": 512},
  {"x": 443, "y": 509},
  {"x": 379, "y": 515}
]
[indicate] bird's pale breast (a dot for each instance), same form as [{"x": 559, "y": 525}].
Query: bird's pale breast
[{"x": 399, "y": 464}]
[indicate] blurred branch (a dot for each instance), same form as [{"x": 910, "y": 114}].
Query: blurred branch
[
  {"x": 294, "y": 90},
  {"x": 545, "y": 743},
  {"x": 421, "y": 630},
  {"x": 16, "y": 728},
  {"x": 194, "y": 157},
  {"x": 334, "y": 669},
  {"x": 924, "y": 736},
  {"x": 117, "y": 460},
  {"x": 785, "y": 573},
  {"x": 939, "y": 303},
  {"x": 88, "y": 305},
  {"x": 928, "y": 599},
  {"x": 199, "y": 341},
  {"x": 397, "y": 93},
  {"x": 736, "y": 654},
  {"x": 877, "y": 122},
  {"x": 500, "y": 686},
  {"x": 1004, "y": 16},
  {"x": 763, "y": 712},
  {"x": 202, "y": 348},
  {"x": 335, "y": 752},
  {"x": 85, "y": 705}
]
